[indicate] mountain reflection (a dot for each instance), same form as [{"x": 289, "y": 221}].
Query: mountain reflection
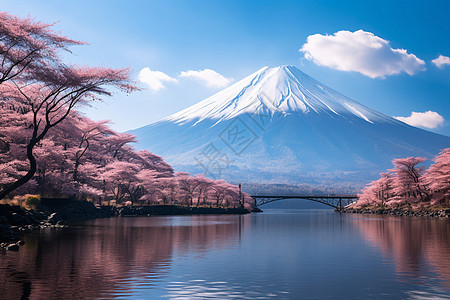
[
  {"x": 106, "y": 258},
  {"x": 414, "y": 243}
]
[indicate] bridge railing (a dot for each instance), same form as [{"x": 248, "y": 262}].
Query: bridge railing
[
  {"x": 337, "y": 201},
  {"x": 308, "y": 196}
]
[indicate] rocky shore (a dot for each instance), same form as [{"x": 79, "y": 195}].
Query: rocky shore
[
  {"x": 162, "y": 210},
  {"x": 60, "y": 212},
  {"x": 435, "y": 213}
]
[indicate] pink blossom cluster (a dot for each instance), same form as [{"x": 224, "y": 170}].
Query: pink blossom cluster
[
  {"x": 407, "y": 185},
  {"x": 86, "y": 159},
  {"x": 48, "y": 148}
]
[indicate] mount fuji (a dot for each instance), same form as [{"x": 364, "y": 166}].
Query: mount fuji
[{"x": 280, "y": 126}]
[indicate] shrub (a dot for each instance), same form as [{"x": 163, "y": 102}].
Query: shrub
[{"x": 32, "y": 200}]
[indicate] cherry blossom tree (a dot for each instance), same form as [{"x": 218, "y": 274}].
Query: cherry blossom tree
[
  {"x": 378, "y": 192},
  {"x": 232, "y": 197},
  {"x": 408, "y": 182},
  {"x": 51, "y": 166},
  {"x": 188, "y": 185},
  {"x": 148, "y": 179},
  {"x": 437, "y": 176},
  {"x": 39, "y": 88},
  {"x": 120, "y": 179},
  {"x": 50, "y": 104},
  {"x": 118, "y": 144},
  {"x": 47, "y": 147},
  {"x": 168, "y": 190},
  {"x": 218, "y": 191},
  {"x": 409, "y": 185},
  {"x": 204, "y": 185},
  {"x": 28, "y": 48},
  {"x": 90, "y": 131}
]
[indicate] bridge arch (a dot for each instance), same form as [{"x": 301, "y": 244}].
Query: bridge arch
[{"x": 337, "y": 201}]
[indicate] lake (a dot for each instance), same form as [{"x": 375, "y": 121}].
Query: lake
[{"x": 278, "y": 254}]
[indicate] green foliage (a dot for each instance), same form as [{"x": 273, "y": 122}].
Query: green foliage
[{"x": 33, "y": 200}]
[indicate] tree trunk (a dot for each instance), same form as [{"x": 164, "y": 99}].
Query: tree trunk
[
  {"x": 75, "y": 170},
  {"x": 24, "y": 179}
]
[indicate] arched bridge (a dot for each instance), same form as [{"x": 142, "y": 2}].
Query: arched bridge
[{"x": 336, "y": 201}]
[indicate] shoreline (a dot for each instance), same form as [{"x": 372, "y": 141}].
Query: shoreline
[
  {"x": 60, "y": 214},
  {"x": 431, "y": 213}
]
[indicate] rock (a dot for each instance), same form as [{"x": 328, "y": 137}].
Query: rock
[
  {"x": 402, "y": 212},
  {"x": 54, "y": 218},
  {"x": 12, "y": 247}
]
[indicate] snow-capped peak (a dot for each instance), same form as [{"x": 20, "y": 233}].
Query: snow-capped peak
[{"x": 285, "y": 90}]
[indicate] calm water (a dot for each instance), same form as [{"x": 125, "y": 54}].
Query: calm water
[{"x": 279, "y": 254}]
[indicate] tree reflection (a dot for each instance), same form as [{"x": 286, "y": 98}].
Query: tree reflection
[
  {"x": 413, "y": 243},
  {"x": 109, "y": 257}
]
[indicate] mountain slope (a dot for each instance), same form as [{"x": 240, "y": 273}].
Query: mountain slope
[
  {"x": 282, "y": 89},
  {"x": 279, "y": 125}
]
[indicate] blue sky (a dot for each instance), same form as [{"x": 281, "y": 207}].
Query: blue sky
[{"x": 236, "y": 38}]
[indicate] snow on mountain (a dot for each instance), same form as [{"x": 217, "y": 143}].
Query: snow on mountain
[
  {"x": 282, "y": 89},
  {"x": 279, "y": 125}
]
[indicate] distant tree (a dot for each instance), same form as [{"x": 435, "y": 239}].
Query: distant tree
[
  {"x": 437, "y": 176},
  {"x": 148, "y": 179},
  {"x": 188, "y": 186},
  {"x": 385, "y": 188},
  {"x": 168, "y": 189},
  {"x": 377, "y": 192},
  {"x": 218, "y": 191},
  {"x": 204, "y": 184},
  {"x": 408, "y": 182},
  {"x": 121, "y": 181},
  {"x": 368, "y": 195},
  {"x": 232, "y": 197},
  {"x": 150, "y": 161},
  {"x": 405, "y": 184}
]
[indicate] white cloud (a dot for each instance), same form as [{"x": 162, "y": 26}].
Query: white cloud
[
  {"x": 208, "y": 77},
  {"x": 428, "y": 119},
  {"x": 360, "y": 51},
  {"x": 441, "y": 61},
  {"x": 154, "y": 79}
]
